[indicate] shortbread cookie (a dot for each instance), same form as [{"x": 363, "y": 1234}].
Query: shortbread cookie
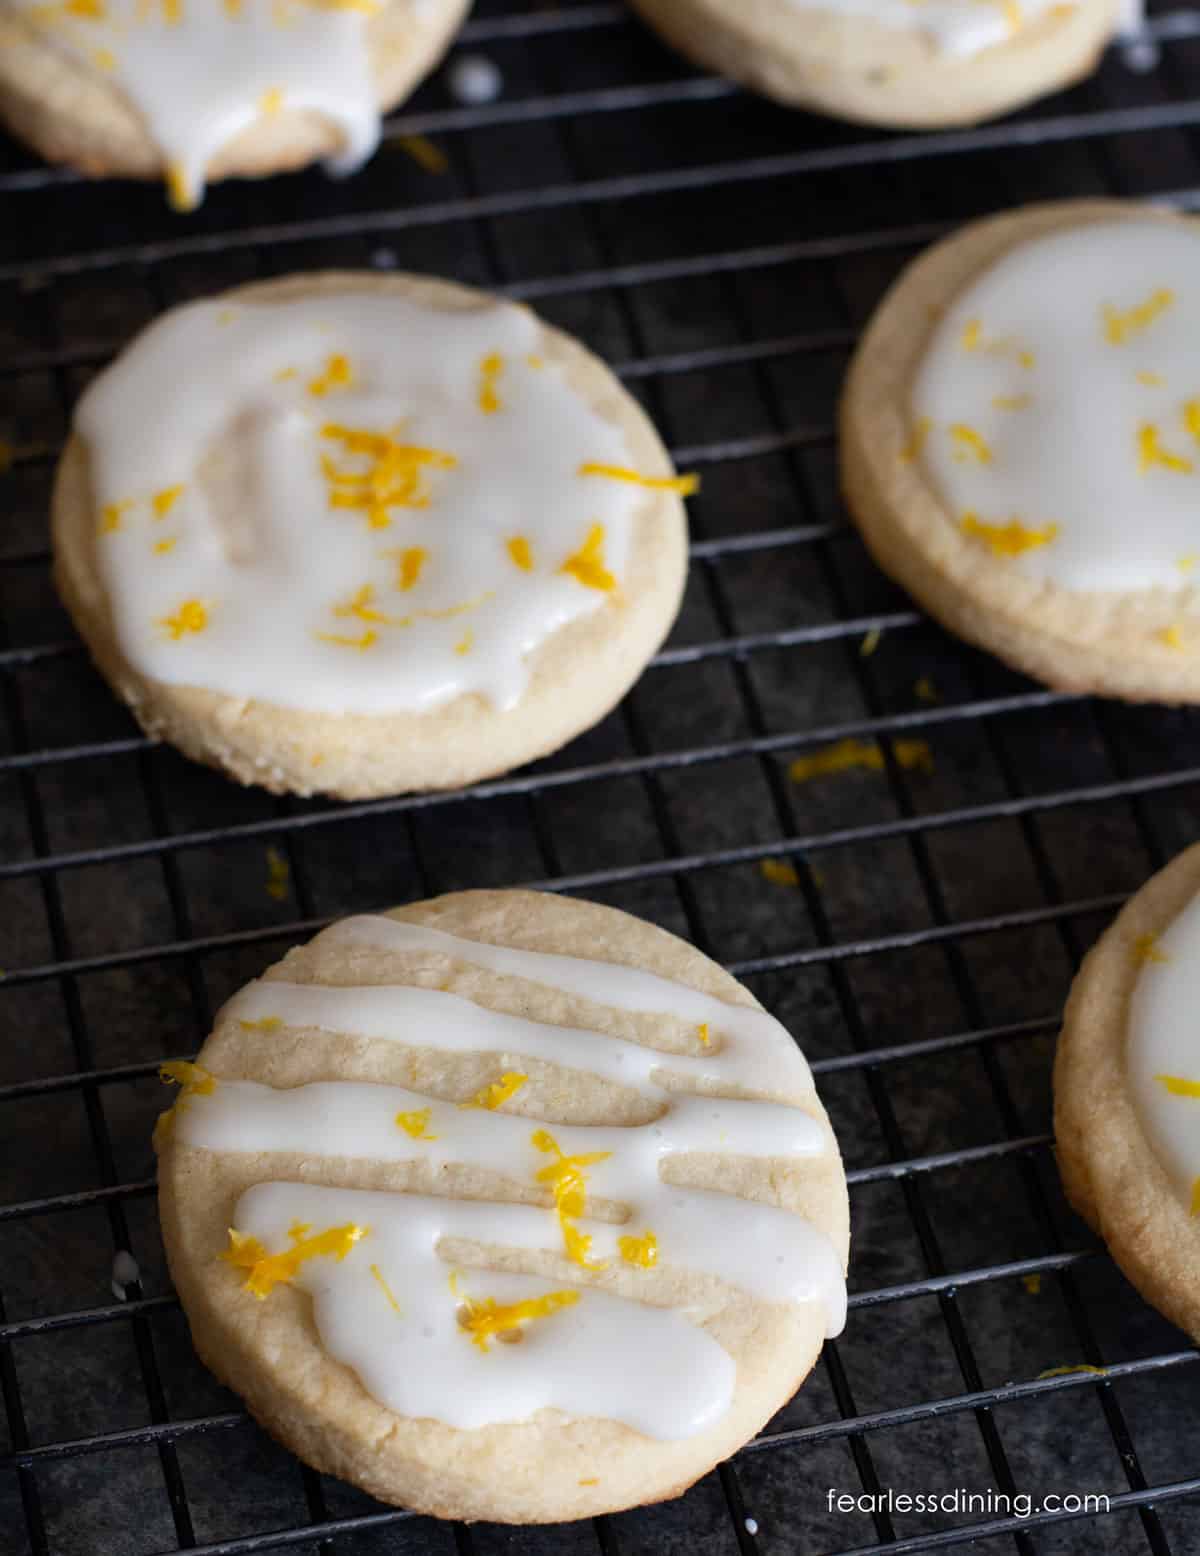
[
  {"x": 1021, "y": 443},
  {"x": 504, "y": 1206},
  {"x": 362, "y": 534},
  {"x": 904, "y": 63},
  {"x": 1127, "y": 1091},
  {"x": 196, "y": 89}
]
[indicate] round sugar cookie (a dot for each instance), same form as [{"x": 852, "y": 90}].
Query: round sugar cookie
[
  {"x": 504, "y": 1206},
  {"x": 1127, "y": 1091},
  {"x": 892, "y": 62},
  {"x": 1020, "y": 443},
  {"x": 190, "y": 90},
  {"x": 362, "y": 534}
]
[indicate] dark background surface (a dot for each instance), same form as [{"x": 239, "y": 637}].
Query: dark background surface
[{"x": 723, "y": 253}]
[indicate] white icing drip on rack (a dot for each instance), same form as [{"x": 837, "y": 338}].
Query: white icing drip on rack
[
  {"x": 199, "y": 72},
  {"x": 1164, "y": 1041},
  {"x": 671, "y": 1383},
  {"x": 340, "y": 509}
]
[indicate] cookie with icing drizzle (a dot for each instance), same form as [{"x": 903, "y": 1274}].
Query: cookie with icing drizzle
[
  {"x": 1020, "y": 443},
  {"x": 360, "y": 534},
  {"x": 901, "y": 63},
  {"x": 504, "y": 1206},
  {"x": 1127, "y": 1091},
  {"x": 196, "y": 90}
]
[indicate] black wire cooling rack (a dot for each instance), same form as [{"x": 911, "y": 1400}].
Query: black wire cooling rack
[{"x": 917, "y": 924}]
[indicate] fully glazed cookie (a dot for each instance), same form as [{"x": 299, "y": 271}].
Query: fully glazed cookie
[
  {"x": 504, "y": 1206},
  {"x": 362, "y": 534},
  {"x": 192, "y": 90},
  {"x": 892, "y": 62},
  {"x": 1020, "y": 443},
  {"x": 1127, "y": 1091}
]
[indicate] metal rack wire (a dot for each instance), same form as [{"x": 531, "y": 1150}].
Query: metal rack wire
[{"x": 723, "y": 253}]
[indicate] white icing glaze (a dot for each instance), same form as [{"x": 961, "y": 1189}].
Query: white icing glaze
[
  {"x": 199, "y": 72},
  {"x": 1164, "y": 1040},
  {"x": 673, "y": 1381},
  {"x": 959, "y": 28},
  {"x": 1024, "y": 362},
  {"x": 276, "y": 571}
]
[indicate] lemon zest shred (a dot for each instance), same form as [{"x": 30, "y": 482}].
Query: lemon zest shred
[
  {"x": 334, "y": 375},
  {"x": 1062, "y": 1372},
  {"x": 566, "y": 1180},
  {"x": 1179, "y": 1086},
  {"x": 640, "y": 1251},
  {"x": 423, "y": 152},
  {"x": 969, "y": 444},
  {"x": 592, "y": 1480},
  {"x": 482, "y": 1319},
  {"x": 497, "y": 1094},
  {"x": 870, "y": 643},
  {"x": 490, "y": 369},
  {"x": 916, "y": 441},
  {"x": 520, "y": 552},
  {"x": 193, "y": 1078},
  {"x": 182, "y": 194},
  {"x": 277, "y": 875},
  {"x": 1032, "y": 1284},
  {"x": 111, "y": 515},
  {"x": 849, "y": 753},
  {"x": 263, "y": 1024},
  {"x": 1186, "y": 563},
  {"x": 362, "y": 644},
  {"x": 684, "y": 485},
  {"x": 190, "y": 617},
  {"x": 268, "y": 1270},
  {"x": 271, "y": 102},
  {"x": 972, "y": 335},
  {"x": 1120, "y": 324},
  {"x": 161, "y": 547},
  {"x": 360, "y": 605},
  {"x": 394, "y": 477},
  {"x": 162, "y": 502},
  {"x": 1191, "y": 417},
  {"x": 1151, "y": 380},
  {"x": 409, "y": 562},
  {"x": 104, "y": 59},
  {"x": 415, "y": 1124},
  {"x": 702, "y": 1033},
  {"x": 1172, "y": 636},
  {"x": 586, "y": 565},
  {"x": 779, "y": 872},
  {"x": 1151, "y": 452},
  {"x": 1027, "y": 359},
  {"x": 1147, "y": 949},
  {"x": 1007, "y": 540},
  {"x": 925, "y": 691},
  {"x": 381, "y": 1282},
  {"x": 465, "y": 643}
]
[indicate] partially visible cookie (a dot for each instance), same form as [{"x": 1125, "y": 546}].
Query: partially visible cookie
[
  {"x": 1020, "y": 442},
  {"x": 191, "y": 90},
  {"x": 1127, "y": 1091},
  {"x": 359, "y": 534},
  {"x": 504, "y": 1206},
  {"x": 892, "y": 62}
]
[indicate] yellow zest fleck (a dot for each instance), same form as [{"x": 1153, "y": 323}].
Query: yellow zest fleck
[
  {"x": 566, "y": 1180},
  {"x": 1063, "y": 1372},
  {"x": 969, "y": 444},
  {"x": 1191, "y": 418},
  {"x": 385, "y": 1288},
  {"x": 685, "y": 485},
  {"x": 271, "y": 102},
  {"x": 641, "y": 1251},
  {"x": 268, "y": 1270},
  {"x": 490, "y": 369},
  {"x": 1009, "y": 539},
  {"x": 162, "y": 502},
  {"x": 362, "y": 644},
  {"x": 1151, "y": 380},
  {"x": 161, "y": 547},
  {"x": 870, "y": 643},
  {"x": 1179, "y": 1087},
  {"x": 409, "y": 563},
  {"x": 190, "y": 617},
  {"x": 497, "y": 1094},
  {"x": 925, "y": 691},
  {"x": 1120, "y": 324},
  {"x": 264, "y": 1024},
  {"x": 586, "y": 565},
  {"x": 779, "y": 872},
  {"x": 702, "y": 1033},
  {"x": 1146, "y": 949},
  {"x": 194, "y": 1078},
  {"x": 465, "y": 643},
  {"x": 845, "y": 754},
  {"x": 277, "y": 875},
  {"x": 1012, "y": 402},
  {"x": 181, "y": 192},
  {"x": 1026, "y": 358},
  {"x": 423, "y": 152},
  {"x": 1032, "y": 1284},
  {"x": 360, "y": 604},
  {"x": 1012, "y": 15},
  {"x": 1186, "y": 563},
  {"x": 172, "y": 12},
  {"x": 971, "y": 335},
  {"x": 590, "y": 1481},
  {"x": 520, "y": 553},
  {"x": 233, "y": 7},
  {"x": 284, "y": 374},
  {"x": 111, "y": 515},
  {"x": 1151, "y": 452},
  {"x": 916, "y": 441},
  {"x": 415, "y": 1124},
  {"x": 1172, "y": 636},
  {"x": 535, "y": 362},
  {"x": 334, "y": 375},
  {"x": 104, "y": 59},
  {"x": 394, "y": 477},
  {"x": 483, "y": 1319},
  {"x": 316, "y": 759}
]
